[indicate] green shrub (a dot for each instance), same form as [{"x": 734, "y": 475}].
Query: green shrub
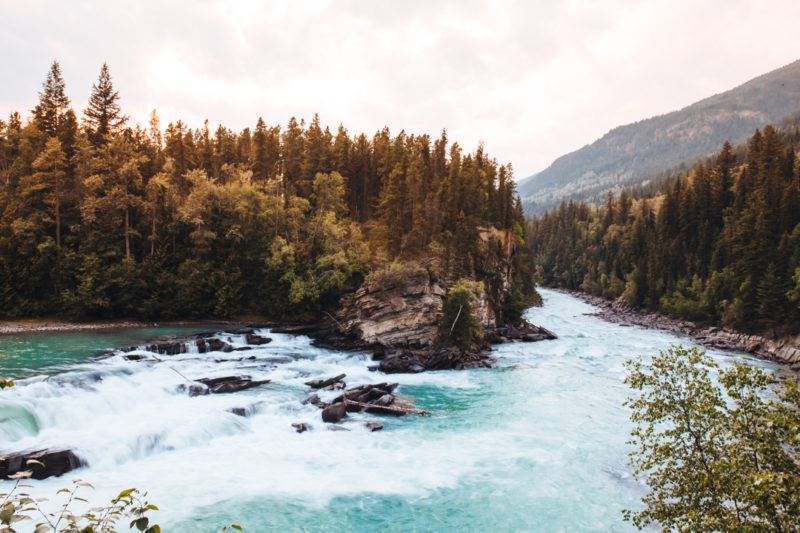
[{"x": 458, "y": 325}]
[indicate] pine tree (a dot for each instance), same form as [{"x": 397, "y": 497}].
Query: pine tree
[
  {"x": 103, "y": 115},
  {"x": 53, "y": 102}
]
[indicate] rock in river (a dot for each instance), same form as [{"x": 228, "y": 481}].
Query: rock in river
[
  {"x": 334, "y": 413},
  {"x": 43, "y": 463}
]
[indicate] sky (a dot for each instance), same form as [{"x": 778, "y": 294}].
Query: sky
[{"x": 532, "y": 80}]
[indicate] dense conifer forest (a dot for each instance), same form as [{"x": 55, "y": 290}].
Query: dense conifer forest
[
  {"x": 718, "y": 243},
  {"x": 99, "y": 218}
]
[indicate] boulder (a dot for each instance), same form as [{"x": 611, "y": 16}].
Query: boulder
[
  {"x": 334, "y": 413},
  {"x": 257, "y": 340},
  {"x": 168, "y": 348},
  {"x": 300, "y": 427},
  {"x": 53, "y": 463},
  {"x": 373, "y": 426},
  {"x": 238, "y": 411},
  {"x": 217, "y": 345}
]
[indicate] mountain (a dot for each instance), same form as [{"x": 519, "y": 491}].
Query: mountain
[{"x": 632, "y": 154}]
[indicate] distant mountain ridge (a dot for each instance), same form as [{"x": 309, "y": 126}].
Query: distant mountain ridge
[{"x": 632, "y": 154}]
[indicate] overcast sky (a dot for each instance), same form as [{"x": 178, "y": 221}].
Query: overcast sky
[{"x": 532, "y": 79}]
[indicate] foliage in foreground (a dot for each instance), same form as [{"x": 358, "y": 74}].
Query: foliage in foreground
[
  {"x": 718, "y": 447},
  {"x": 18, "y": 506}
]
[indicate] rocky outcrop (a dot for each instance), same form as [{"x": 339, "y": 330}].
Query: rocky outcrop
[
  {"x": 41, "y": 463},
  {"x": 398, "y": 307},
  {"x": 396, "y": 313}
]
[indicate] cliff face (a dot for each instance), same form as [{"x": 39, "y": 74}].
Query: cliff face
[
  {"x": 399, "y": 311},
  {"x": 402, "y": 306}
]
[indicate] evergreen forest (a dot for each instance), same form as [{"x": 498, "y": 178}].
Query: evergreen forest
[
  {"x": 718, "y": 243},
  {"x": 102, "y": 219}
]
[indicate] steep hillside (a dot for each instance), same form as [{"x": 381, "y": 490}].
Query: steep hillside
[{"x": 633, "y": 153}]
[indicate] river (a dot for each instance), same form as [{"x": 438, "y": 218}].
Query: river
[{"x": 537, "y": 443}]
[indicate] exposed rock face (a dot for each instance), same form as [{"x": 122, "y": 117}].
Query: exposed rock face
[
  {"x": 54, "y": 463},
  {"x": 395, "y": 312},
  {"x": 402, "y": 307}
]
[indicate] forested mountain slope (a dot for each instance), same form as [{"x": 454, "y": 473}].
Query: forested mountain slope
[
  {"x": 720, "y": 243},
  {"x": 633, "y": 153}
]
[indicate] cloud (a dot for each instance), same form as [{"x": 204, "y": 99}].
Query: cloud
[{"x": 533, "y": 79}]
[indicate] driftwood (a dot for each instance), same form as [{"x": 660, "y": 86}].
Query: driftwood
[
  {"x": 460, "y": 307},
  {"x": 388, "y": 409},
  {"x": 320, "y": 383}
]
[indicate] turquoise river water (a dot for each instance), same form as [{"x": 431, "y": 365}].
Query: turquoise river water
[{"x": 537, "y": 443}]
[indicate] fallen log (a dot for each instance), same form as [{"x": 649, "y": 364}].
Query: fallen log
[
  {"x": 320, "y": 383},
  {"x": 388, "y": 409}
]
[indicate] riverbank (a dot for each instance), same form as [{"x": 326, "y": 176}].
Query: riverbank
[
  {"x": 784, "y": 350},
  {"x": 43, "y": 325}
]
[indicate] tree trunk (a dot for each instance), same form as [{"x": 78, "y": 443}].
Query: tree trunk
[
  {"x": 58, "y": 223},
  {"x": 58, "y": 210},
  {"x": 127, "y": 235},
  {"x": 153, "y": 237}
]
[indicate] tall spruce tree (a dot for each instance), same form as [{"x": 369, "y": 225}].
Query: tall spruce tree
[
  {"x": 53, "y": 102},
  {"x": 103, "y": 115}
]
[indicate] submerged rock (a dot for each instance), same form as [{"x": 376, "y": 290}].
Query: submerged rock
[
  {"x": 373, "y": 426},
  {"x": 301, "y": 427},
  {"x": 43, "y": 463}
]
